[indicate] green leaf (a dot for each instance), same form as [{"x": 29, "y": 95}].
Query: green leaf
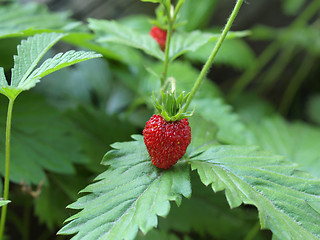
[
  {"x": 230, "y": 129},
  {"x": 19, "y": 20},
  {"x": 80, "y": 86},
  {"x": 61, "y": 60},
  {"x": 42, "y": 140},
  {"x": 111, "y": 31},
  {"x": 92, "y": 127},
  {"x": 207, "y": 215},
  {"x": 262, "y": 179},
  {"x": 190, "y": 42},
  {"x": 4, "y": 202},
  {"x": 54, "y": 196},
  {"x": 30, "y": 52},
  {"x": 297, "y": 141},
  {"x": 196, "y": 13},
  {"x": 128, "y": 196},
  {"x": 233, "y": 52},
  {"x": 3, "y": 80}
]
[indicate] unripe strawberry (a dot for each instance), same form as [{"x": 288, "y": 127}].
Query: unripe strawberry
[
  {"x": 166, "y": 142},
  {"x": 159, "y": 35}
]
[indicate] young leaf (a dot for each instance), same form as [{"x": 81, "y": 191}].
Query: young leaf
[
  {"x": 61, "y": 60},
  {"x": 128, "y": 196},
  {"x": 30, "y": 52},
  {"x": 280, "y": 193}
]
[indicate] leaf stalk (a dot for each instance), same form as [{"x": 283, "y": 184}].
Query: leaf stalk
[{"x": 7, "y": 167}]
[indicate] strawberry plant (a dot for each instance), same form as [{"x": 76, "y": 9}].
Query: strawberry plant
[{"x": 183, "y": 156}]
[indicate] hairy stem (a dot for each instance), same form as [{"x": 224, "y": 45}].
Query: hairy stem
[
  {"x": 7, "y": 168},
  {"x": 167, "y": 48},
  {"x": 214, "y": 52}
]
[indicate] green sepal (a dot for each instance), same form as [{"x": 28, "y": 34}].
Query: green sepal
[{"x": 171, "y": 106}]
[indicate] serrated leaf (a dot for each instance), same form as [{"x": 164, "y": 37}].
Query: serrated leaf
[
  {"x": 4, "y": 202},
  {"x": 111, "y": 31},
  {"x": 3, "y": 80},
  {"x": 208, "y": 215},
  {"x": 297, "y": 141},
  {"x": 259, "y": 178},
  {"x": 135, "y": 192},
  {"x": 30, "y": 52},
  {"x": 42, "y": 140},
  {"x": 28, "y": 19},
  {"x": 61, "y": 60}
]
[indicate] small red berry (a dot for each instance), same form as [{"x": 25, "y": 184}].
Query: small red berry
[
  {"x": 159, "y": 35},
  {"x": 166, "y": 142}
]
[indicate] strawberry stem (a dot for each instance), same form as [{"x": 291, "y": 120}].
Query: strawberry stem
[
  {"x": 214, "y": 52},
  {"x": 167, "y": 47},
  {"x": 171, "y": 20}
]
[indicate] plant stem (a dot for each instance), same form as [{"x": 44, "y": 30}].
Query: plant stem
[
  {"x": 7, "y": 167},
  {"x": 167, "y": 48},
  {"x": 214, "y": 52}
]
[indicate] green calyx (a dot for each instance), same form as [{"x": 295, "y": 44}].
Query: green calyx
[{"x": 171, "y": 107}]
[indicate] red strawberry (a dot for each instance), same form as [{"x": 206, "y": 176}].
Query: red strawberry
[
  {"x": 166, "y": 142},
  {"x": 159, "y": 35}
]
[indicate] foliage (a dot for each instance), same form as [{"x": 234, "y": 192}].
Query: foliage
[{"x": 255, "y": 128}]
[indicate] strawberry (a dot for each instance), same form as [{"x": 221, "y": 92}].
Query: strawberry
[
  {"x": 159, "y": 35},
  {"x": 166, "y": 141}
]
